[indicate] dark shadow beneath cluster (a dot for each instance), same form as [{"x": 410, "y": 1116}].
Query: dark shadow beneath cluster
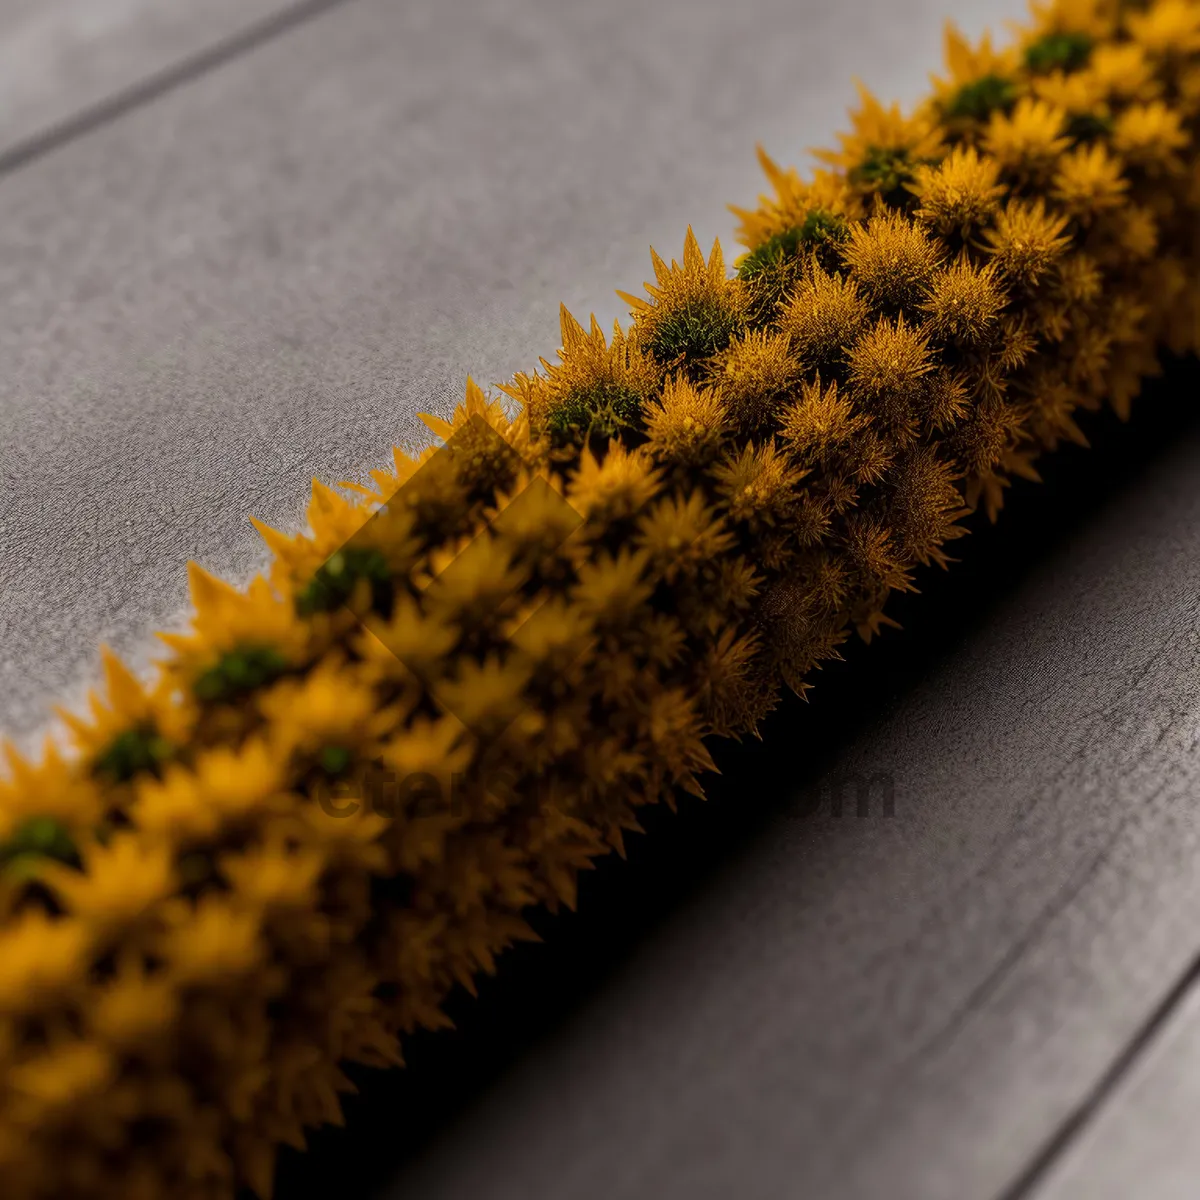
[{"x": 538, "y": 987}]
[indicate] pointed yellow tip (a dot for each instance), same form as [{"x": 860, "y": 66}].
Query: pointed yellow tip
[
  {"x": 124, "y": 691},
  {"x": 770, "y": 167},
  {"x": 436, "y": 425},
  {"x": 178, "y": 642},
  {"x": 207, "y": 591},
  {"x": 73, "y": 721},
  {"x": 350, "y": 486},
  {"x": 20, "y": 769},
  {"x": 323, "y": 495},
  {"x": 277, "y": 542},
  {"x": 571, "y": 330},
  {"x": 474, "y": 395},
  {"x": 635, "y": 302},
  {"x": 865, "y": 96}
]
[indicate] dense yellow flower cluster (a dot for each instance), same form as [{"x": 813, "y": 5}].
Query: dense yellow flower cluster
[{"x": 456, "y": 689}]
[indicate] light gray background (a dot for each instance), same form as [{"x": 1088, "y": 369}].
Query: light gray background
[{"x": 235, "y": 254}]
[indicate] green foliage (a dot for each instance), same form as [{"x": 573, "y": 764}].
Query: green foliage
[
  {"x": 132, "y": 752},
  {"x": 604, "y": 409},
  {"x": 1087, "y": 127},
  {"x": 335, "y": 581},
  {"x": 774, "y": 268},
  {"x": 34, "y": 840},
  {"x": 772, "y": 254},
  {"x": 1058, "y": 52},
  {"x": 693, "y": 332},
  {"x": 886, "y": 171},
  {"x": 239, "y": 671},
  {"x": 976, "y": 101},
  {"x": 334, "y": 760},
  {"x": 819, "y": 228}
]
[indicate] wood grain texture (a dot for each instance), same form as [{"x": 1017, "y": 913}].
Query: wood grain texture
[
  {"x": 61, "y": 59},
  {"x": 1140, "y": 1140}
]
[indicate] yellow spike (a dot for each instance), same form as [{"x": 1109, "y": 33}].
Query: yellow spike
[
  {"x": 258, "y": 1164},
  {"x": 440, "y": 428},
  {"x": 76, "y": 724},
  {"x": 661, "y": 271},
  {"x": 637, "y": 303},
  {"x": 956, "y": 48},
  {"x": 180, "y": 643},
  {"x": 571, "y": 330},
  {"x": 324, "y": 498},
  {"x": 770, "y": 168},
  {"x": 207, "y": 591},
  {"x": 97, "y": 706},
  {"x": 693, "y": 256},
  {"x": 716, "y": 261},
  {"x": 51, "y": 753},
  {"x": 280, "y": 544},
  {"x": 259, "y": 589},
  {"x": 513, "y": 389},
  {"x": 870, "y": 106},
  {"x": 387, "y": 484},
  {"x": 19, "y": 768},
  {"x": 476, "y": 400},
  {"x": 125, "y": 693}
]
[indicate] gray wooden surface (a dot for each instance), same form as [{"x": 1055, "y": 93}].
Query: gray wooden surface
[
  {"x": 296, "y": 235},
  {"x": 64, "y": 62}
]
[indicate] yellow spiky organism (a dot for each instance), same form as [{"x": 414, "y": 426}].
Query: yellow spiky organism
[{"x": 349, "y": 782}]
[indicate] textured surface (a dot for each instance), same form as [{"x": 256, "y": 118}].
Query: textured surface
[
  {"x": 60, "y": 59},
  {"x": 1144, "y": 1143},
  {"x": 267, "y": 271}
]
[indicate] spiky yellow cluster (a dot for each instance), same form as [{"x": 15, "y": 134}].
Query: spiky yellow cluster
[{"x": 348, "y": 783}]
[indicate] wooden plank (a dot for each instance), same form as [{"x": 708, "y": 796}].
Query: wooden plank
[
  {"x": 1140, "y": 1139},
  {"x": 266, "y": 273},
  {"x": 62, "y": 59}
]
